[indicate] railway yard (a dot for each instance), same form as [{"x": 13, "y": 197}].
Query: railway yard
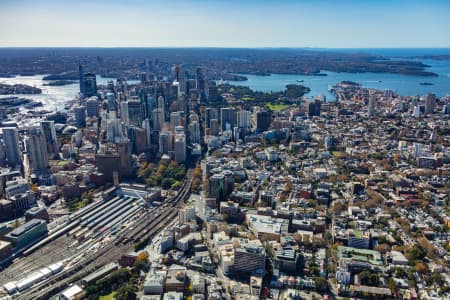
[{"x": 92, "y": 237}]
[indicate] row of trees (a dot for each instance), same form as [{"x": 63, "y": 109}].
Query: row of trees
[
  {"x": 197, "y": 178},
  {"x": 118, "y": 281}
]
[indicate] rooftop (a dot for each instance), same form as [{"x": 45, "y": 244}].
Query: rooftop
[{"x": 26, "y": 227}]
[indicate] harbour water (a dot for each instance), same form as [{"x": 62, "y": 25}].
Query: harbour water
[
  {"x": 403, "y": 84},
  {"x": 53, "y": 97}
]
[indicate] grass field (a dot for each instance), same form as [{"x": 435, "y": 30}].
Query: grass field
[
  {"x": 276, "y": 106},
  {"x": 108, "y": 297},
  {"x": 338, "y": 153}
]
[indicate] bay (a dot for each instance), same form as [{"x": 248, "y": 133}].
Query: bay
[
  {"x": 405, "y": 85},
  {"x": 53, "y": 98}
]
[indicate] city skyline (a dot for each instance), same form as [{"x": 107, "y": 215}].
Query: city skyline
[{"x": 136, "y": 23}]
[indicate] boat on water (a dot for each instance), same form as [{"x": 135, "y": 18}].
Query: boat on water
[
  {"x": 426, "y": 83},
  {"x": 300, "y": 81}
]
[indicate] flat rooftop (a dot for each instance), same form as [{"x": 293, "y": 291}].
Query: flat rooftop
[
  {"x": 26, "y": 227},
  {"x": 365, "y": 255}
]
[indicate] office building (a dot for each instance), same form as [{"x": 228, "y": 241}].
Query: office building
[
  {"x": 314, "y": 108},
  {"x": 114, "y": 129},
  {"x": 27, "y": 233},
  {"x": 216, "y": 187},
  {"x": 287, "y": 260},
  {"x": 214, "y": 129},
  {"x": 124, "y": 112},
  {"x": 263, "y": 120},
  {"x": 89, "y": 85},
  {"x": 430, "y": 103},
  {"x": 124, "y": 149},
  {"x": 202, "y": 84},
  {"x": 135, "y": 113},
  {"x": 244, "y": 118},
  {"x": 213, "y": 93},
  {"x": 372, "y": 104},
  {"x": 92, "y": 107},
  {"x": 154, "y": 283},
  {"x": 158, "y": 119},
  {"x": 49, "y": 132},
  {"x": 161, "y": 104},
  {"x": 210, "y": 113},
  {"x": 180, "y": 147},
  {"x": 164, "y": 143},
  {"x": 249, "y": 257},
  {"x": 227, "y": 118},
  {"x": 107, "y": 161},
  {"x": 176, "y": 118},
  {"x": 37, "y": 151},
  {"x": 12, "y": 150},
  {"x": 186, "y": 214},
  {"x": 194, "y": 129},
  {"x": 80, "y": 115},
  {"x": 81, "y": 78}
]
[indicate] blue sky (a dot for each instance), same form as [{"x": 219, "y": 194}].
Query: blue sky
[{"x": 232, "y": 23}]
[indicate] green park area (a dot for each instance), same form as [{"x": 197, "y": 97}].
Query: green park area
[{"x": 276, "y": 106}]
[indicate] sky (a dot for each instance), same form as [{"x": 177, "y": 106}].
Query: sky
[{"x": 225, "y": 23}]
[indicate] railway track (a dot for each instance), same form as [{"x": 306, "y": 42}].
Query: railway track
[{"x": 147, "y": 226}]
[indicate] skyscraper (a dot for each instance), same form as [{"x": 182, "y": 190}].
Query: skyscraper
[
  {"x": 430, "y": 103},
  {"x": 113, "y": 129},
  {"x": 135, "y": 112},
  {"x": 92, "y": 107},
  {"x": 194, "y": 129},
  {"x": 81, "y": 78},
  {"x": 124, "y": 111},
  {"x": 164, "y": 142},
  {"x": 11, "y": 140},
  {"x": 202, "y": 84},
  {"x": 37, "y": 151},
  {"x": 227, "y": 118},
  {"x": 148, "y": 131},
  {"x": 162, "y": 105},
  {"x": 314, "y": 108},
  {"x": 124, "y": 149},
  {"x": 80, "y": 115},
  {"x": 180, "y": 147},
  {"x": 244, "y": 119},
  {"x": 210, "y": 113},
  {"x": 49, "y": 133},
  {"x": 213, "y": 93},
  {"x": 176, "y": 118},
  {"x": 89, "y": 85},
  {"x": 158, "y": 119},
  {"x": 263, "y": 120},
  {"x": 372, "y": 103}
]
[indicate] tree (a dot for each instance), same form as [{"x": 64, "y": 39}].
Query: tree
[
  {"x": 416, "y": 253},
  {"x": 288, "y": 187},
  {"x": 206, "y": 185},
  {"x": 35, "y": 187},
  {"x": 368, "y": 278},
  {"x": 322, "y": 285},
  {"x": 400, "y": 272},
  {"x": 126, "y": 292},
  {"x": 421, "y": 268}
]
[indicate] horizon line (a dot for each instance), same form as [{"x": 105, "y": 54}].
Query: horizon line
[{"x": 212, "y": 47}]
